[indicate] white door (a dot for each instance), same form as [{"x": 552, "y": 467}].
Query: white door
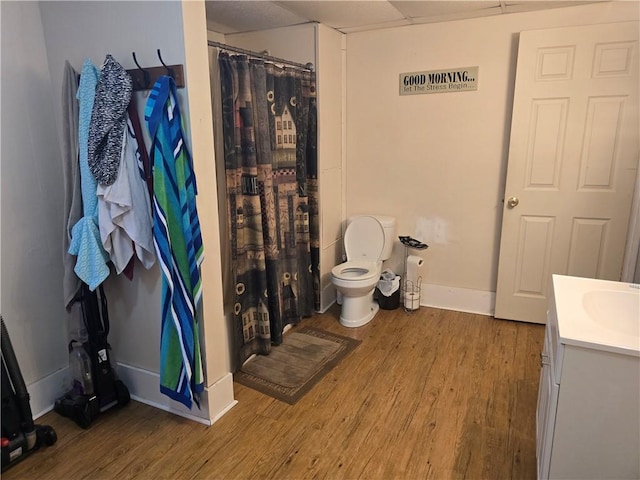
[{"x": 573, "y": 156}]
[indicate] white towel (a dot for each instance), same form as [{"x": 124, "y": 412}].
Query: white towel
[
  {"x": 389, "y": 283},
  {"x": 124, "y": 211}
]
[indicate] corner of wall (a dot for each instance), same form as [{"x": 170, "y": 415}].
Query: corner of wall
[
  {"x": 216, "y": 400},
  {"x": 217, "y": 349},
  {"x": 331, "y": 152}
]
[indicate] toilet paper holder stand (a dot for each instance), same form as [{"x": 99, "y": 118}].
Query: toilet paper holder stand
[
  {"x": 411, "y": 294},
  {"x": 411, "y": 289}
]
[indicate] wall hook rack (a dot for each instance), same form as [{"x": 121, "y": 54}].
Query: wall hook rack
[
  {"x": 169, "y": 69},
  {"x": 145, "y": 74},
  {"x": 144, "y": 78}
]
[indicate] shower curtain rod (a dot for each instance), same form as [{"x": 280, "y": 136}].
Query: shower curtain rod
[{"x": 308, "y": 66}]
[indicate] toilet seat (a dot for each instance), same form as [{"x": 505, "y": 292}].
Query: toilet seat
[
  {"x": 364, "y": 239},
  {"x": 356, "y": 270}
]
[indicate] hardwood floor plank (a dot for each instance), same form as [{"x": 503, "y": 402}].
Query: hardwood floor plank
[{"x": 431, "y": 394}]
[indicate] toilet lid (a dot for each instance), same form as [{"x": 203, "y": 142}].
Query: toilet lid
[{"x": 364, "y": 239}]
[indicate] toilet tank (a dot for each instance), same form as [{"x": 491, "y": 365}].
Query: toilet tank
[{"x": 389, "y": 226}]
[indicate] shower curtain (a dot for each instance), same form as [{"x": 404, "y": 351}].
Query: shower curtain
[{"x": 270, "y": 160}]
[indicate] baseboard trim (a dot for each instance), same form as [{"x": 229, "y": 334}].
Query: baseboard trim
[
  {"x": 452, "y": 298},
  {"x": 220, "y": 396},
  {"x": 44, "y": 392},
  {"x": 144, "y": 386},
  {"x": 458, "y": 299},
  {"x": 328, "y": 297}
]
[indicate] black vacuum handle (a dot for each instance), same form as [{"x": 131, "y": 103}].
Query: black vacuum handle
[{"x": 13, "y": 369}]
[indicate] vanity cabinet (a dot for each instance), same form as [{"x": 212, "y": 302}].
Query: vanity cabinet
[{"x": 588, "y": 416}]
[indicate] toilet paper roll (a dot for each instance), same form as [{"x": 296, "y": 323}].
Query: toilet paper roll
[
  {"x": 411, "y": 301},
  {"x": 414, "y": 264}
]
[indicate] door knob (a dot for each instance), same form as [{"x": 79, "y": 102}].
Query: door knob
[{"x": 513, "y": 202}]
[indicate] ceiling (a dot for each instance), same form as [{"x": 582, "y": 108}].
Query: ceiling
[{"x": 354, "y": 15}]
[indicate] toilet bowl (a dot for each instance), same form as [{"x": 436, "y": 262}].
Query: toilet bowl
[{"x": 368, "y": 241}]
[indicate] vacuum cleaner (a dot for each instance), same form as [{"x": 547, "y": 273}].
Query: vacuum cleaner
[
  {"x": 20, "y": 436},
  {"x": 96, "y": 387}
]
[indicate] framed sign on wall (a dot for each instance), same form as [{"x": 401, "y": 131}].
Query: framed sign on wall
[{"x": 439, "y": 81}]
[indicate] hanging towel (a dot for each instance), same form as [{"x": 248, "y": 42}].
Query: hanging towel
[
  {"x": 91, "y": 263},
  {"x": 124, "y": 211},
  {"x": 178, "y": 244},
  {"x": 71, "y": 175},
  {"x": 108, "y": 121},
  {"x": 142, "y": 156},
  {"x": 142, "y": 153}
]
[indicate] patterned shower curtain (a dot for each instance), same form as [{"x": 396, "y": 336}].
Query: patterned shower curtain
[{"x": 269, "y": 129}]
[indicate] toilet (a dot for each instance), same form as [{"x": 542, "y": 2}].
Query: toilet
[{"x": 368, "y": 241}]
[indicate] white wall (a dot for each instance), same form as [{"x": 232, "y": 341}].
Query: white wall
[
  {"x": 331, "y": 153},
  {"x": 437, "y": 162},
  {"x": 217, "y": 361},
  {"x": 37, "y": 39},
  {"x": 75, "y": 31},
  {"x": 32, "y": 197}
]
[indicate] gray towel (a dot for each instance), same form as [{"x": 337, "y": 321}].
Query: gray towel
[
  {"x": 108, "y": 121},
  {"x": 71, "y": 177}
]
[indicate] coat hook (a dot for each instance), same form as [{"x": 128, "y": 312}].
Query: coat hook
[
  {"x": 169, "y": 70},
  {"x": 147, "y": 79}
]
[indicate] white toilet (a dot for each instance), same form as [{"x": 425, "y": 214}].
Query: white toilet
[{"x": 368, "y": 241}]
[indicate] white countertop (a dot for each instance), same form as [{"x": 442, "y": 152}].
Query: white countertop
[{"x": 587, "y": 323}]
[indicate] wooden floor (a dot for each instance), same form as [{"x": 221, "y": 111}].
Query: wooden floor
[{"x": 431, "y": 394}]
